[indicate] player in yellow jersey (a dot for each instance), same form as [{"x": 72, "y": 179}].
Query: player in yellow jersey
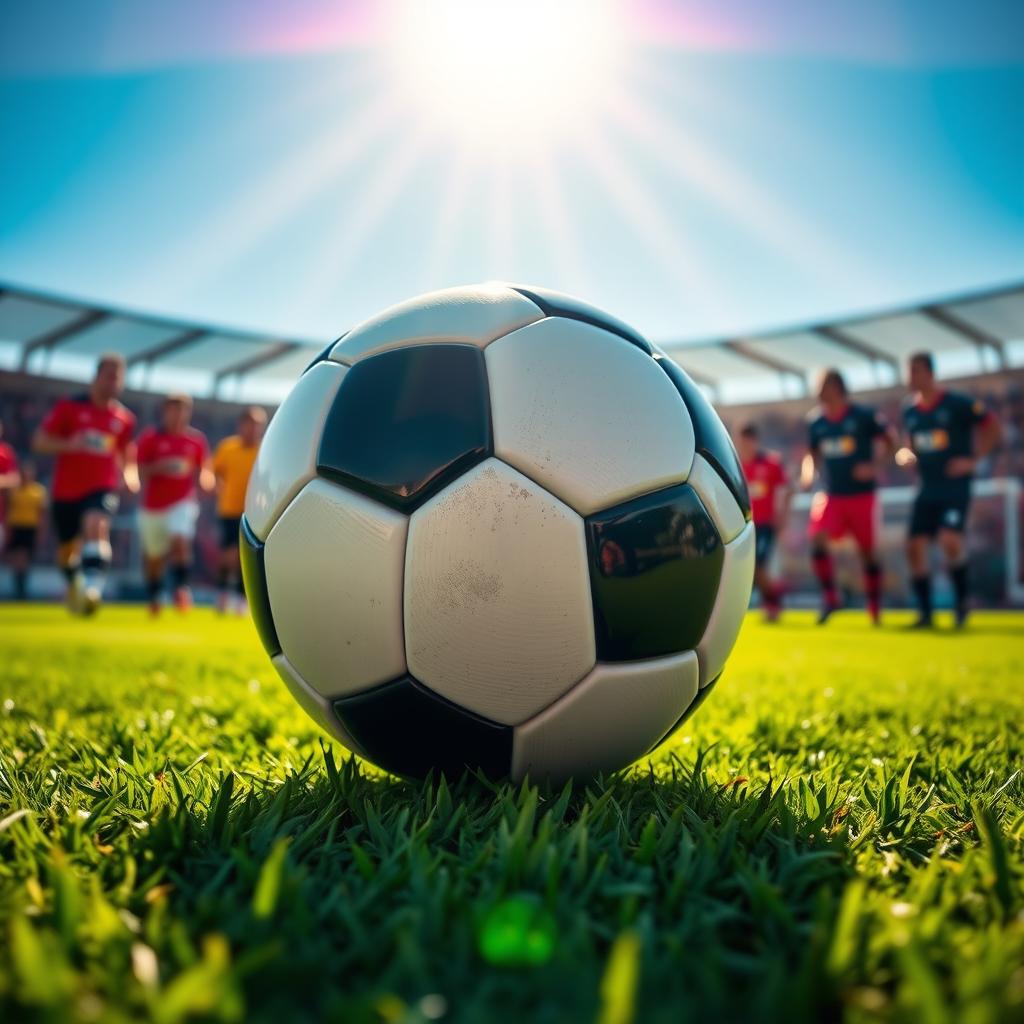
[
  {"x": 26, "y": 505},
  {"x": 232, "y": 464}
]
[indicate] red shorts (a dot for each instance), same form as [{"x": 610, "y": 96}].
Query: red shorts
[{"x": 840, "y": 514}]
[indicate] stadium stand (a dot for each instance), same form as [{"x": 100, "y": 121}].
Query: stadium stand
[{"x": 49, "y": 345}]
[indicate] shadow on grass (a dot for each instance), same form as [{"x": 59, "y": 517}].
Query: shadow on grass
[{"x": 338, "y": 889}]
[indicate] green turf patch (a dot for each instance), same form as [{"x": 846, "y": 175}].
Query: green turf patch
[{"x": 838, "y": 832}]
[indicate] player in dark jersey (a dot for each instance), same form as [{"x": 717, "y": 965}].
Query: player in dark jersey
[
  {"x": 91, "y": 437},
  {"x": 947, "y": 433},
  {"x": 769, "y": 506},
  {"x": 844, "y": 444}
]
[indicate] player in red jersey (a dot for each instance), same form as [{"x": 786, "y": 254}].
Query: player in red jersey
[
  {"x": 9, "y": 478},
  {"x": 172, "y": 459},
  {"x": 845, "y": 441},
  {"x": 770, "y": 495},
  {"x": 91, "y": 437}
]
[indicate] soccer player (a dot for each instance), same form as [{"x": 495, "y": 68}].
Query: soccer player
[
  {"x": 232, "y": 463},
  {"x": 769, "y": 505},
  {"x": 845, "y": 443},
  {"x": 9, "y": 476},
  {"x": 27, "y": 504},
  {"x": 91, "y": 437},
  {"x": 947, "y": 433},
  {"x": 172, "y": 459}
]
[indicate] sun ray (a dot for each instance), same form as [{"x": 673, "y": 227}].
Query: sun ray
[
  {"x": 275, "y": 196},
  {"x": 364, "y": 215},
  {"x": 500, "y": 229},
  {"x": 733, "y": 190},
  {"x": 546, "y": 186},
  {"x": 650, "y": 224},
  {"x": 450, "y": 210}
]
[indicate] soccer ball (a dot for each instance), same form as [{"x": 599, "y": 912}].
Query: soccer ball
[{"x": 495, "y": 528}]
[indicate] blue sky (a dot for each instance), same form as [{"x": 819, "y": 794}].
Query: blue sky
[{"x": 739, "y": 170}]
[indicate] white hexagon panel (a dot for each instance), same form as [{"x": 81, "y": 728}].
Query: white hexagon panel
[
  {"x": 471, "y": 315},
  {"x": 587, "y": 414},
  {"x": 287, "y": 456},
  {"x": 334, "y": 566},
  {"x": 498, "y": 615},
  {"x": 611, "y": 718}
]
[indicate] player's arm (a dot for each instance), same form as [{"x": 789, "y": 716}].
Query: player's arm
[
  {"x": 53, "y": 436},
  {"x": 809, "y": 466},
  {"x": 130, "y": 470},
  {"x": 206, "y": 477},
  {"x": 10, "y": 476},
  {"x": 987, "y": 434}
]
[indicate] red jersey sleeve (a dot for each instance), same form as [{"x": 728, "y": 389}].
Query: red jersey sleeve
[
  {"x": 8, "y": 460},
  {"x": 125, "y": 437},
  {"x": 144, "y": 451},
  {"x": 56, "y": 422}
]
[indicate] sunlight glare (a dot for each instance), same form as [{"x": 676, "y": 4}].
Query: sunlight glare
[{"x": 503, "y": 73}]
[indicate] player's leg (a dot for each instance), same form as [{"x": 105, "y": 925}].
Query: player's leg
[
  {"x": 155, "y": 541},
  {"x": 67, "y": 524},
  {"x": 228, "y": 570},
  {"x": 770, "y": 591},
  {"x": 96, "y": 556},
  {"x": 954, "y": 550},
  {"x": 181, "y": 521},
  {"x": 823, "y": 525},
  {"x": 21, "y": 557},
  {"x": 919, "y": 535},
  {"x": 863, "y": 525},
  {"x": 180, "y": 565}
]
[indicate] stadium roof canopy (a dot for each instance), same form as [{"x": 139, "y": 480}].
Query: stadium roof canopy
[{"x": 56, "y": 337}]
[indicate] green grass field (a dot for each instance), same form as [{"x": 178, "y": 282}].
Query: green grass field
[{"x": 838, "y": 833}]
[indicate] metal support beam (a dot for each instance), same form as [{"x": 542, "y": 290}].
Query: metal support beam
[
  {"x": 54, "y": 337},
  {"x": 785, "y": 369},
  {"x": 179, "y": 341},
  {"x": 975, "y": 335},
  {"x": 281, "y": 348},
  {"x": 840, "y": 337}
]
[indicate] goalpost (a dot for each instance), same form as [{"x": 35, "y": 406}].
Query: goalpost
[{"x": 993, "y": 542}]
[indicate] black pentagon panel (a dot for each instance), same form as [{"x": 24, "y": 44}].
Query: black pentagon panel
[
  {"x": 713, "y": 440},
  {"x": 555, "y": 304},
  {"x": 406, "y": 422},
  {"x": 702, "y": 695},
  {"x": 323, "y": 354},
  {"x": 250, "y": 554},
  {"x": 408, "y": 730},
  {"x": 655, "y": 566}
]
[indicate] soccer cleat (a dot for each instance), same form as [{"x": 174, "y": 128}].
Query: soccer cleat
[
  {"x": 75, "y": 592},
  {"x": 772, "y": 612},
  {"x": 155, "y": 607},
  {"x": 875, "y": 614},
  {"x": 960, "y": 613},
  {"x": 922, "y": 622},
  {"x": 826, "y": 611},
  {"x": 182, "y": 598},
  {"x": 92, "y": 597}
]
